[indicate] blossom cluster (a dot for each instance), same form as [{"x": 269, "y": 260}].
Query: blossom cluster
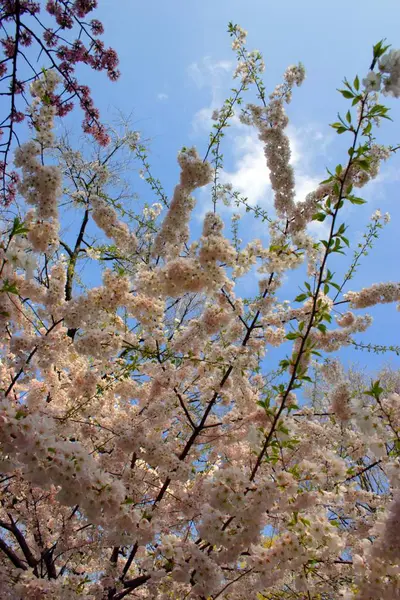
[
  {"x": 271, "y": 120},
  {"x": 174, "y": 232},
  {"x": 377, "y": 293},
  {"x": 40, "y": 186},
  {"x": 149, "y": 444},
  {"x": 106, "y": 218},
  {"x": 388, "y": 77},
  {"x": 42, "y": 110}
]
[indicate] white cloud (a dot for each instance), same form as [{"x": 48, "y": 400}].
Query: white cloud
[
  {"x": 202, "y": 120},
  {"x": 213, "y": 75},
  {"x": 250, "y": 174},
  {"x": 244, "y": 152},
  {"x": 162, "y": 96},
  {"x": 208, "y": 72}
]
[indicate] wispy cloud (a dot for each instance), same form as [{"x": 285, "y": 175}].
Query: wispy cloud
[
  {"x": 162, "y": 97},
  {"x": 208, "y": 72},
  {"x": 245, "y": 160},
  {"x": 215, "y": 76}
]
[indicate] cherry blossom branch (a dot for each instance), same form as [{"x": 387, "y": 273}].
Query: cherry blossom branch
[
  {"x": 14, "y": 558},
  {"x": 27, "y": 361},
  {"x": 315, "y": 299}
]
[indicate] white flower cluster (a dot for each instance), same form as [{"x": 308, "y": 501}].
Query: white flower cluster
[
  {"x": 270, "y": 122},
  {"x": 55, "y": 292},
  {"x": 274, "y": 336},
  {"x": 248, "y": 68},
  {"x": 304, "y": 210},
  {"x": 31, "y": 439},
  {"x": 149, "y": 311},
  {"x": 377, "y": 216},
  {"x": 19, "y": 256},
  {"x": 174, "y": 232},
  {"x": 340, "y": 400},
  {"x": 333, "y": 339},
  {"x": 98, "y": 170},
  {"x": 240, "y": 38},
  {"x": 247, "y": 257},
  {"x": 106, "y": 218},
  {"x": 294, "y": 75},
  {"x": 42, "y": 235},
  {"x": 101, "y": 343},
  {"x": 378, "y": 293},
  {"x": 40, "y": 186},
  {"x": 389, "y": 65},
  {"x": 388, "y": 79},
  {"x": 42, "y": 110},
  {"x": 215, "y": 317},
  {"x": 372, "y": 82},
  {"x": 226, "y": 495},
  {"x": 153, "y": 211},
  {"x": 88, "y": 308},
  {"x": 214, "y": 246},
  {"x": 358, "y": 176},
  {"x": 202, "y": 272}
]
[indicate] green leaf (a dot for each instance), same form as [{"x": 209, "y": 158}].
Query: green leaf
[
  {"x": 356, "y": 83},
  {"x": 355, "y": 200},
  {"x": 367, "y": 129},
  {"x": 319, "y": 217},
  {"x": 292, "y": 336},
  {"x": 9, "y": 288},
  {"x": 346, "y": 93},
  {"x": 18, "y": 227},
  {"x": 379, "y": 49},
  {"x": 346, "y": 241},
  {"x": 301, "y": 298}
]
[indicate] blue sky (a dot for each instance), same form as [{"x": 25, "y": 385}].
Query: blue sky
[{"x": 176, "y": 65}]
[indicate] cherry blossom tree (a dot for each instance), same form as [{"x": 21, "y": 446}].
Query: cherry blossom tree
[
  {"x": 149, "y": 447},
  {"x": 24, "y": 27}
]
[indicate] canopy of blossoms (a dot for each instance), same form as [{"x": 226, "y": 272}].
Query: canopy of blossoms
[{"x": 148, "y": 447}]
